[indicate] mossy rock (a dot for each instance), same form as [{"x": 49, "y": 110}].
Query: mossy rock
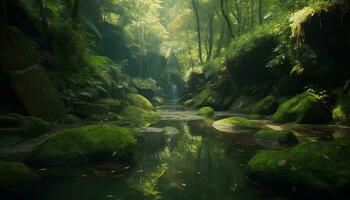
[
  {"x": 23, "y": 126},
  {"x": 37, "y": 93},
  {"x": 320, "y": 167},
  {"x": 88, "y": 143},
  {"x": 114, "y": 105},
  {"x": 139, "y": 101},
  {"x": 138, "y": 116},
  {"x": 273, "y": 139},
  {"x": 71, "y": 119},
  {"x": 341, "y": 111},
  {"x": 17, "y": 181},
  {"x": 206, "y": 111},
  {"x": 266, "y": 106},
  {"x": 236, "y": 125},
  {"x": 169, "y": 131},
  {"x": 86, "y": 110},
  {"x": 304, "y": 108}
]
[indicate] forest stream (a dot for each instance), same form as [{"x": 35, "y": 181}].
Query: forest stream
[{"x": 190, "y": 160}]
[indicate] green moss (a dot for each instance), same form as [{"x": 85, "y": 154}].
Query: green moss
[
  {"x": 138, "y": 116},
  {"x": 275, "y": 139},
  {"x": 139, "y": 101},
  {"x": 236, "y": 124},
  {"x": 23, "y": 126},
  {"x": 322, "y": 167},
  {"x": 16, "y": 180},
  {"x": 169, "y": 130},
  {"x": 341, "y": 112},
  {"x": 206, "y": 111},
  {"x": 304, "y": 108},
  {"x": 88, "y": 143},
  {"x": 266, "y": 106},
  {"x": 207, "y": 97}
]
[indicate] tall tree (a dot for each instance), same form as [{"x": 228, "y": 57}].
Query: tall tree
[
  {"x": 223, "y": 5},
  {"x": 261, "y": 12},
  {"x": 199, "y": 38}
]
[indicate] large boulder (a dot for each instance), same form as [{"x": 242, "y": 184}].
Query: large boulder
[
  {"x": 304, "y": 108},
  {"x": 17, "y": 51},
  {"x": 139, "y": 101},
  {"x": 17, "y": 181},
  {"x": 88, "y": 143},
  {"x": 266, "y": 106},
  {"x": 236, "y": 125},
  {"x": 37, "y": 93},
  {"x": 22, "y": 126},
  {"x": 320, "y": 167}
]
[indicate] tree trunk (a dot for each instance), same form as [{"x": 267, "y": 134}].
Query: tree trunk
[
  {"x": 261, "y": 12},
  {"x": 76, "y": 11},
  {"x": 195, "y": 9},
  {"x": 226, "y": 17},
  {"x": 40, "y": 5},
  {"x": 210, "y": 35}
]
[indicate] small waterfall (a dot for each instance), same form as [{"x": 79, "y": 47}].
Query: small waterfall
[{"x": 174, "y": 92}]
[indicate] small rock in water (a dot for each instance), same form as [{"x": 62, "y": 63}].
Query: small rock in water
[
  {"x": 109, "y": 196},
  {"x": 140, "y": 171},
  {"x": 183, "y": 184},
  {"x": 42, "y": 170},
  {"x": 198, "y": 173},
  {"x": 127, "y": 167}
]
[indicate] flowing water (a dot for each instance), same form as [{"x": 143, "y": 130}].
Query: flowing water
[{"x": 196, "y": 163}]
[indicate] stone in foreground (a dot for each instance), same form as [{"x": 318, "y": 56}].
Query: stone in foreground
[{"x": 88, "y": 143}]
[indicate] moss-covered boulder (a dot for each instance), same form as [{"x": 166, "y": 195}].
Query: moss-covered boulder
[
  {"x": 138, "y": 116},
  {"x": 243, "y": 104},
  {"x": 320, "y": 167},
  {"x": 304, "y": 108},
  {"x": 37, "y": 93},
  {"x": 266, "y": 106},
  {"x": 114, "y": 105},
  {"x": 86, "y": 110},
  {"x": 17, "y": 181},
  {"x": 206, "y": 111},
  {"x": 139, "y": 101},
  {"x": 207, "y": 97},
  {"x": 341, "y": 111},
  {"x": 88, "y": 143},
  {"x": 22, "y": 126},
  {"x": 236, "y": 125},
  {"x": 273, "y": 139}
]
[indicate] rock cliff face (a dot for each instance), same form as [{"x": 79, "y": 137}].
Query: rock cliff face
[{"x": 25, "y": 80}]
